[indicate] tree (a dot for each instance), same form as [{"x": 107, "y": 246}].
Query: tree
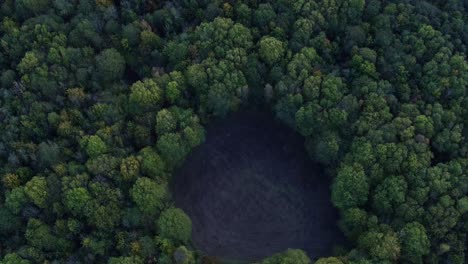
[
  {"x": 220, "y": 35},
  {"x": 104, "y": 165},
  {"x": 390, "y": 194},
  {"x": 130, "y": 168},
  {"x": 183, "y": 256},
  {"x": 330, "y": 260},
  {"x": 149, "y": 196},
  {"x": 414, "y": 242},
  {"x": 11, "y": 180},
  {"x": 36, "y": 190},
  {"x": 172, "y": 148},
  {"x": 103, "y": 211},
  {"x": 302, "y": 63},
  {"x": 271, "y": 50},
  {"x": 8, "y": 222},
  {"x": 13, "y": 258},
  {"x": 263, "y": 15},
  {"x": 94, "y": 145},
  {"x": 175, "y": 52},
  {"x": 28, "y": 63},
  {"x": 354, "y": 222},
  {"x": 175, "y": 225},
  {"x": 110, "y": 65},
  {"x": 146, "y": 95},
  {"x": 462, "y": 205},
  {"x": 306, "y": 120},
  {"x": 126, "y": 260},
  {"x": 287, "y": 107},
  {"x": 324, "y": 148},
  {"x": 350, "y": 187},
  {"x": 381, "y": 246},
  {"x": 354, "y": 10},
  {"x": 39, "y": 235},
  {"x": 49, "y": 154},
  {"x": 424, "y": 125},
  {"x": 173, "y": 92},
  {"x": 76, "y": 200},
  {"x": 151, "y": 164},
  {"x": 290, "y": 256},
  {"x": 15, "y": 199},
  {"x": 165, "y": 122}
]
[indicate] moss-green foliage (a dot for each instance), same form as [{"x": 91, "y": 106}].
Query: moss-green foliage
[
  {"x": 94, "y": 145},
  {"x": 100, "y": 101},
  {"x": 271, "y": 50},
  {"x": 110, "y": 65},
  {"x": 14, "y": 258},
  {"x": 149, "y": 196},
  {"x": 36, "y": 190},
  {"x": 331, "y": 260},
  {"x": 290, "y": 256},
  {"x": 174, "y": 224}
]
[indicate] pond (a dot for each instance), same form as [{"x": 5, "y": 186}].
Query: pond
[{"x": 252, "y": 191}]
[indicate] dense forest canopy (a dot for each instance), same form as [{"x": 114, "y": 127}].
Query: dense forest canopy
[{"x": 101, "y": 100}]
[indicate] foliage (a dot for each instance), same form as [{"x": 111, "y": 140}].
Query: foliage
[
  {"x": 110, "y": 65},
  {"x": 149, "y": 196},
  {"x": 102, "y": 100},
  {"x": 289, "y": 256},
  {"x": 174, "y": 224}
]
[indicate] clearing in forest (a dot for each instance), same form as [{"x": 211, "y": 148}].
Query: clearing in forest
[{"x": 252, "y": 191}]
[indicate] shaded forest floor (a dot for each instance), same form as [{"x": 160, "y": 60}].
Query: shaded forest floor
[{"x": 251, "y": 191}]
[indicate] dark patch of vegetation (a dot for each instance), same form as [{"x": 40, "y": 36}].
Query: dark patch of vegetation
[{"x": 251, "y": 191}]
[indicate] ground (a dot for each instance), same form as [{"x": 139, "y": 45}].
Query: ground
[{"x": 252, "y": 191}]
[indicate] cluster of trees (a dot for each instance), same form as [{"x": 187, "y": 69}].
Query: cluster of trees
[{"x": 101, "y": 100}]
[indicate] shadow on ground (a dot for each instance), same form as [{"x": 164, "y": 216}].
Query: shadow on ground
[{"x": 252, "y": 191}]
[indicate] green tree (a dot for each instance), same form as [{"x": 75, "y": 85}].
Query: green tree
[
  {"x": 130, "y": 168},
  {"x": 36, "y": 190},
  {"x": 350, "y": 187},
  {"x": 13, "y": 258},
  {"x": 9, "y": 222},
  {"x": 110, "y": 65},
  {"x": 76, "y": 200},
  {"x": 381, "y": 246},
  {"x": 271, "y": 50},
  {"x": 151, "y": 164},
  {"x": 126, "y": 260},
  {"x": 28, "y": 63},
  {"x": 390, "y": 194},
  {"x": 305, "y": 117},
  {"x": 290, "y": 256},
  {"x": 104, "y": 210},
  {"x": 173, "y": 92},
  {"x": 183, "y": 256},
  {"x": 414, "y": 242},
  {"x": 48, "y": 153},
  {"x": 165, "y": 122},
  {"x": 263, "y": 15},
  {"x": 172, "y": 148},
  {"x": 11, "y": 180},
  {"x": 39, "y": 235},
  {"x": 354, "y": 222},
  {"x": 330, "y": 260},
  {"x": 149, "y": 196},
  {"x": 174, "y": 224},
  {"x": 146, "y": 95},
  {"x": 94, "y": 145},
  {"x": 15, "y": 199}
]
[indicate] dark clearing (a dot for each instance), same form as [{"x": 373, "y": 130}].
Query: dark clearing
[{"x": 251, "y": 191}]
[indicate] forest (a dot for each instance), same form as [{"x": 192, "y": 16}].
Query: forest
[{"x": 102, "y": 101}]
